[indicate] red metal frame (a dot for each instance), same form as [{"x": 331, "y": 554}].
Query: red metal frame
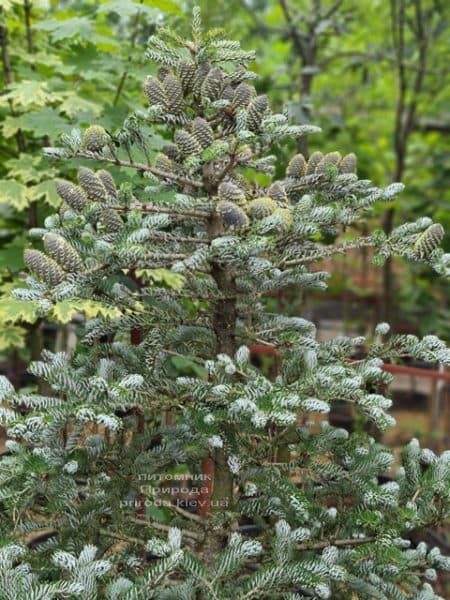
[
  {"x": 416, "y": 372},
  {"x": 390, "y": 368}
]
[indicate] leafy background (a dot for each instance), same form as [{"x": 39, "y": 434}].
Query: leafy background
[{"x": 69, "y": 64}]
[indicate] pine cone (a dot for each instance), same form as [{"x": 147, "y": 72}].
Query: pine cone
[
  {"x": 329, "y": 161},
  {"x": 244, "y": 184},
  {"x": 212, "y": 85},
  {"x": 285, "y": 218},
  {"x": 111, "y": 220},
  {"x": 348, "y": 163},
  {"x": 201, "y": 72},
  {"x": 244, "y": 154},
  {"x": 243, "y": 95},
  {"x": 313, "y": 161},
  {"x": 186, "y": 143},
  {"x": 202, "y": 132},
  {"x": 108, "y": 181},
  {"x": 261, "y": 207},
  {"x": 62, "y": 252},
  {"x": 91, "y": 184},
  {"x": 228, "y": 93},
  {"x": 429, "y": 240},
  {"x": 232, "y": 215},
  {"x": 277, "y": 192},
  {"x": 95, "y": 138},
  {"x": 256, "y": 111},
  {"x": 174, "y": 93},
  {"x": 186, "y": 73},
  {"x": 231, "y": 193},
  {"x": 43, "y": 267},
  {"x": 164, "y": 163},
  {"x": 162, "y": 73},
  {"x": 72, "y": 195},
  {"x": 155, "y": 92},
  {"x": 171, "y": 150},
  {"x": 296, "y": 167}
]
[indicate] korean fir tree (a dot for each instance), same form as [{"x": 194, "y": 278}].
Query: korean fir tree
[{"x": 182, "y": 256}]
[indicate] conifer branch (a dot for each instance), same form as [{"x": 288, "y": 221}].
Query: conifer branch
[
  {"x": 130, "y": 56},
  {"x": 37, "y": 537},
  {"x": 177, "y": 239},
  {"x": 186, "y": 514},
  {"x": 165, "y": 256},
  {"x": 161, "y": 527},
  {"x": 142, "y": 167},
  {"x": 339, "y": 543},
  {"x": 122, "y": 537},
  {"x": 228, "y": 167},
  {"x": 329, "y": 251},
  {"x": 164, "y": 210}
]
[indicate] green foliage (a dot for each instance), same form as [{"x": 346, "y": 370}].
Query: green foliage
[{"x": 62, "y": 67}]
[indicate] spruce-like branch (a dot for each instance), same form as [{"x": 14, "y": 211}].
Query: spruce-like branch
[
  {"x": 329, "y": 251},
  {"x": 142, "y": 167},
  {"x": 161, "y": 527},
  {"x": 164, "y": 210},
  {"x": 345, "y": 543}
]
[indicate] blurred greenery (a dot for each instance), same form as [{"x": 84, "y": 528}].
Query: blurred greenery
[
  {"x": 64, "y": 65},
  {"x": 335, "y": 62}
]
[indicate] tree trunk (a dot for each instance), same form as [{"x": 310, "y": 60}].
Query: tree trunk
[
  {"x": 306, "y": 81},
  {"x": 388, "y": 224},
  {"x": 224, "y": 324}
]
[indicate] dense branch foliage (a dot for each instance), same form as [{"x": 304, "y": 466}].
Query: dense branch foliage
[
  {"x": 162, "y": 383},
  {"x": 333, "y": 63}
]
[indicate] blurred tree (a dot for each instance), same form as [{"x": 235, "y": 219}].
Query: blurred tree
[
  {"x": 62, "y": 65},
  {"x": 416, "y": 26}
]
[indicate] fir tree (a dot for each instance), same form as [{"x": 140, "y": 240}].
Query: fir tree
[{"x": 183, "y": 261}]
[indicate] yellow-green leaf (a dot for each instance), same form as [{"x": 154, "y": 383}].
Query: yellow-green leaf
[
  {"x": 14, "y": 194},
  {"x": 172, "y": 280},
  {"x": 47, "y": 190},
  {"x": 14, "y": 311},
  {"x": 10, "y": 126},
  {"x": 28, "y": 93},
  {"x": 126, "y": 8},
  {"x": 43, "y": 122},
  {"x": 76, "y": 27},
  {"x": 24, "y": 168},
  {"x": 8, "y": 4},
  {"x": 11, "y": 259},
  {"x": 167, "y": 6},
  {"x": 74, "y": 105},
  {"x": 92, "y": 309},
  {"x": 64, "y": 311},
  {"x": 12, "y": 336}
]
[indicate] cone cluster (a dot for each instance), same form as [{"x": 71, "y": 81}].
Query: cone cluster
[
  {"x": 320, "y": 164},
  {"x": 60, "y": 257},
  {"x": 237, "y": 204},
  {"x": 184, "y": 85},
  {"x": 93, "y": 186}
]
